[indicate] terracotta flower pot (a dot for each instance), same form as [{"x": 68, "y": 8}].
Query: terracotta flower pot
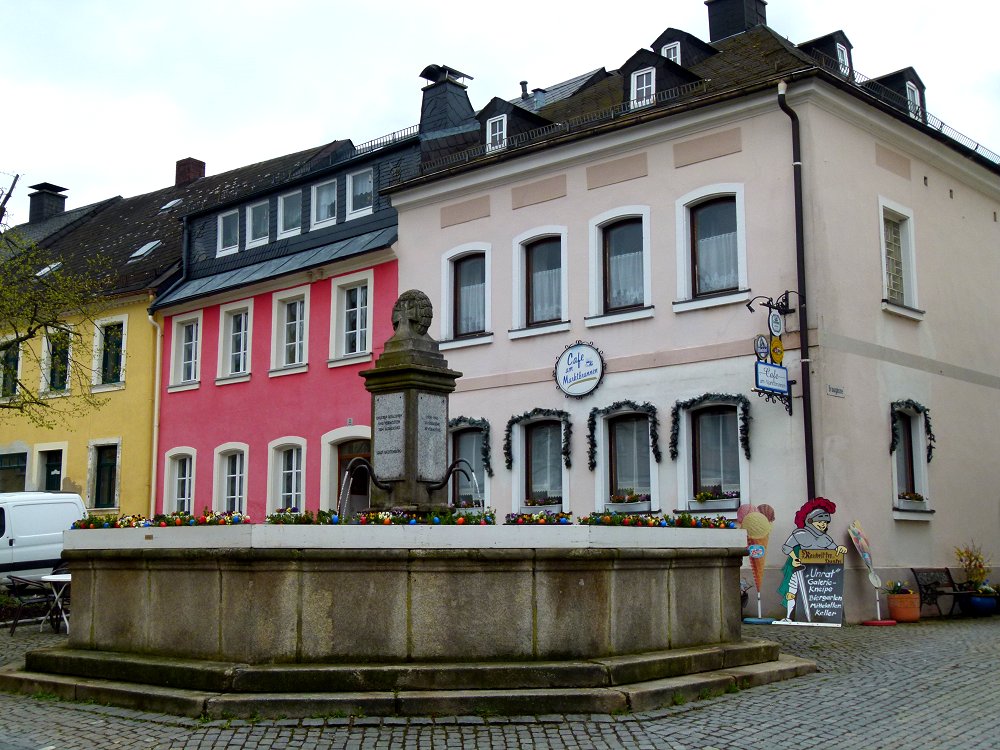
[{"x": 904, "y": 607}]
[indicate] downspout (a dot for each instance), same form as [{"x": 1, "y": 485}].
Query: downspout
[
  {"x": 156, "y": 414},
  {"x": 800, "y": 267}
]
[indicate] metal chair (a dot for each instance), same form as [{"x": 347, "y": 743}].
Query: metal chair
[{"x": 29, "y": 593}]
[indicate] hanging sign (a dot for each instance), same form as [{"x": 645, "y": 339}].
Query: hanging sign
[
  {"x": 579, "y": 369},
  {"x": 773, "y": 378},
  {"x": 761, "y": 348},
  {"x": 777, "y": 350},
  {"x": 775, "y": 322}
]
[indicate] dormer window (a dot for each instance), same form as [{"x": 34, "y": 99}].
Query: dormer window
[
  {"x": 913, "y": 102},
  {"x": 643, "y": 87},
  {"x": 229, "y": 233},
  {"x": 258, "y": 223},
  {"x": 843, "y": 60},
  {"x": 360, "y": 193},
  {"x": 496, "y": 133},
  {"x": 672, "y": 52},
  {"x": 324, "y": 204}
]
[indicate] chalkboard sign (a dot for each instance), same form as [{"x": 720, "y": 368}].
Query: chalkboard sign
[{"x": 820, "y": 600}]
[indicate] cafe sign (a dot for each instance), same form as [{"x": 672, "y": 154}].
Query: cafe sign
[{"x": 579, "y": 370}]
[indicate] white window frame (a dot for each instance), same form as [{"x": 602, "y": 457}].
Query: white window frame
[
  {"x": 96, "y": 385},
  {"x": 352, "y": 212},
  {"x": 448, "y": 260},
  {"x": 672, "y": 52},
  {"x": 338, "y": 316},
  {"x": 220, "y": 250},
  {"x": 314, "y": 205},
  {"x": 275, "y": 470},
  {"x": 602, "y": 485},
  {"x": 278, "y": 331},
  {"x": 219, "y": 460},
  {"x": 224, "y": 372},
  {"x": 685, "y": 463},
  {"x": 499, "y": 124},
  {"x": 330, "y": 457},
  {"x": 843, "y": 59},
  {"x": 907, "y": 231},
  {"x": 919, "y": 459},
  {"x": 682, "y": 214},
  {"x": 251, "y": 241},
  {"x": 914, "y": 101},
  {"x": 177, "y": 325},
  {"x": 282, "y": 233},
  {"x": 46, "y": 364},
  {"x": 519, "y": 247},
  {"x": 484, "y": 488},
  {"x": 519, "y": 449},
  {"x": 91, "y": 499},
  {"x": 645, "y": 100},
  {"x": 34, "y": 478},
  {"x": 171, "y": 461},
  {"x": 595, "y": 230}
]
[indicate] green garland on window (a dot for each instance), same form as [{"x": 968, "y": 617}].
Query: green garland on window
[
  {"x": 562, "y": 416},
  {"x": 460, "y": 423},
  {"x": 623, "y": 406},
  {"x": 694, "y": 403},
  {"x": 911, "y": 405}
]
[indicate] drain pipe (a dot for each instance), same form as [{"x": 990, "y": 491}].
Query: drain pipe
[
  {"x": 800, "y": 267},
  {"x": 156, "y": 414}
]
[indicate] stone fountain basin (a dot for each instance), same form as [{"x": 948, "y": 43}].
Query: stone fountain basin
[{"x": 260, "y": 594}]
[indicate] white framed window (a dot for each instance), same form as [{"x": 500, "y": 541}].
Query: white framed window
[
  {"x": 713, "y": 465},
  {"x": 324, "y": 204},
  {"x": 231, "y": 462},
  {"x": 360, "y": 193},
  {"x": 286, "y": 473},
  {"x": 235, "y": 339},
  {"x": 56, "y": 351},
  {"x": 110, "y": 339},
  {"x": 290, "y": 214},
  {"x": 542, "y": 478},
  {"x": 620, "y": 273},
  {"x": 10, "y": 369},
  {"x": 899, "y": 272},
  {"x": 496, "y": 133},
  {"x": 626, "y": 472},
  {"x": 913, "y": 103},
  {"x": 468, "y": 491},
  {"x": 643, "y": 87},
  {"x": 258, "y": 224},
  {"x": 843, "y": 60},
  {"x": 185, "y": 350},
  {"x": 909, "y": 461},
  {"x": 104, "y": 470},
  {"x": 711, "y": 247},
  {"x": 672, "y": 52},
  {"x": 466, "y": 295},
  {"x": 290, "y": 331},
  {"x": 540, "y": 287},
  {"x": 179, "y": 480},
  {"x": 228, "y": 234},
  {"x": 49, "y": 461},
  {"x": 350, "y": 326}
]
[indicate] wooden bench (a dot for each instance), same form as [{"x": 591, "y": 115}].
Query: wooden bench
[{"x": 933, "y": 583}]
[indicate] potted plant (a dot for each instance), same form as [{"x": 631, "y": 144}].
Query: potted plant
[
  {"x": 976, "y": 565},
  {"x": 913, "y": 497},
  {"x": 904, "y": 602},
  {"x": 627, "y": 499}
]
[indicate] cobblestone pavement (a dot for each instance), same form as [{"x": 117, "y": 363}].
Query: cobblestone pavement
[{"x": 935, "y": 684}]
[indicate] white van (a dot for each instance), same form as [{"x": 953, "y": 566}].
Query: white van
[{"x": 31, "y": 530}]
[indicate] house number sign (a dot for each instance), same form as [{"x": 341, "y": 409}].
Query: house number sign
[{"x": 579, "y": 370}]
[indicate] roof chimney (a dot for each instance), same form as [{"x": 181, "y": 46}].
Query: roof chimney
[
  {"x": 189, "y": 170},
  {"x": 524, "y": 89},
  {"x": 45, "y": 202},
  {"x": 446, "y": 103},
  {"x": 729, "y": 17}
]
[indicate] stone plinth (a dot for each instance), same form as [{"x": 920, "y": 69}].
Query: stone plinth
[{"x": 261, "y": 594}]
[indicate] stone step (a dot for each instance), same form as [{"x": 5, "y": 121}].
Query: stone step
[
  {"x": 227, "y": 677},
  {"x": 639, "y": 696}
]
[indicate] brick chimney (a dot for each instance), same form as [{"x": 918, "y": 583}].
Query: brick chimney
[
  {"x": 189, "y": 170},
  {"x": 729, "y": 17},
  {"x": 45, "y": 202}
]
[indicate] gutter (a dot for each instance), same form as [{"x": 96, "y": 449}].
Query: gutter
[{"x": 800, "y": 268}]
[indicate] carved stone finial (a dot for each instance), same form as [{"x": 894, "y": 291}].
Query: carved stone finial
[{"x": 414, "y": 312}]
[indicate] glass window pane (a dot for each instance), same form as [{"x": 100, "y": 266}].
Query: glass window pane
[
  {"x": 470, "y": 295},
  {"x": 629, "y": 438},
  {"x": 713, "y": 227},
  {"x": 544, "y": 280},
  {"x": 58, "y": 342},
  {"x": 362, "y": 193},
  {"x": 623, "y": 283},
  {"x": 326, "y": 202},
  {"x": 544, "y": 468},
  {"x": 111, "y": 352},
  {"x": 291, "y": 212},
  {"x": 230, "y": 230},
  {"x": 468, "y": 445},
  {"x": 259, "y": 216}
]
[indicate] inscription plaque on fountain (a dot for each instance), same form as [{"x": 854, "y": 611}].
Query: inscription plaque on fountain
[
  {"x": 390, "y": 424},
  {"x": 432, "y": 427}
]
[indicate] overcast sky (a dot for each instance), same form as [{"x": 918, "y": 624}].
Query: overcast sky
[{"x": 104, "y": 96}]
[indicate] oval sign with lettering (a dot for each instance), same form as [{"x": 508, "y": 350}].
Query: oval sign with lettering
[{"x": 579, "y": 370}]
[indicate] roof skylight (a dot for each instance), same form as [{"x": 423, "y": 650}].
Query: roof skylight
[
  {"x": 145, "y": 250},
  {"x": 170, "y": 204},
  {"x": 49, "y": 269}
]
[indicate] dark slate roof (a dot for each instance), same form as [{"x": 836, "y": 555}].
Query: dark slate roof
[
  {"x": 40, "y": 231},
  {"x": 274, "y": 267},
  {"x": 126, "y": 224},
  {"x": 557, "y": 92}
]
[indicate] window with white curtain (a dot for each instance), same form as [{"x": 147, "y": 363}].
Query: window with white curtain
[
  {"x": 543, "y": 281},
  {"x": 543, "y": 462},
  {"x": 234, "y": 482},
  {"x": 716, "y": 451},
  {"x": 714, "y": 252},
  {"x": 628, "y": 441},
  {"x": 182, "y": 470},
  {"x": 468, "y": 444},
  {"x": 623, "y": 265},
  {"x": 469, "y": 297},
  {"x": 290, "y": 477}
]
